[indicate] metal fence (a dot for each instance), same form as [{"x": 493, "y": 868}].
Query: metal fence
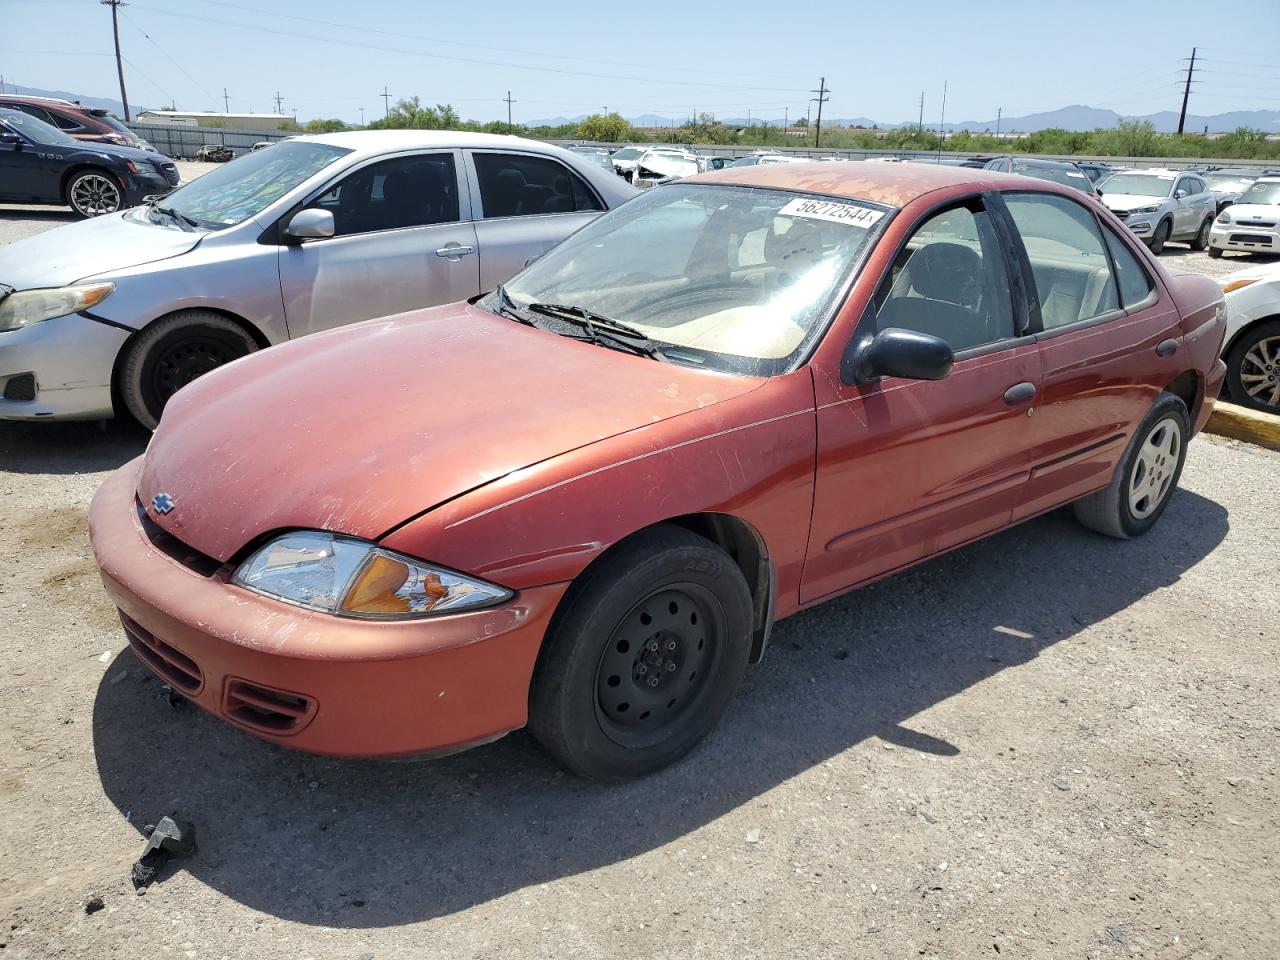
[{"x": 183, "y": 143}]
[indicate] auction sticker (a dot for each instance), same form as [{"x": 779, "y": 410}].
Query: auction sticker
[{"x": 832, "y": 210}]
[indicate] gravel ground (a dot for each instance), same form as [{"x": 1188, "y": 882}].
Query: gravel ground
[{"x": 1048, "y": 744}]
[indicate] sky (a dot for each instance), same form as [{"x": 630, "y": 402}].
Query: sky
[{"x": 330, "y": 58}]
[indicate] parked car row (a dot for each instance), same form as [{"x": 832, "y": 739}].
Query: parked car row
[{"x": 581, "y": 501}]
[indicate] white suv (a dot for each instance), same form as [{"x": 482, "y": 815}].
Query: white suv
[
  {"x": 1162, "y": 205},
  {"x": 1252, "y": 223}
]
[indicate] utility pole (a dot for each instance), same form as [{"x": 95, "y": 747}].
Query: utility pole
[
  {"x": 362, "y": 116},
  {"x": 226, "y": 101},
  {"x": 386, "y": 100},
  {"x": 509, "y": 103},
  {"x": 1186, "y": 92},
  {"x": 115, "y": 5},
  {"x": 786, "y": 116},
  {"x": 2, "y": 83},
  {"x": 999, "y": 114},
  {"x": 922, "y": 111},
  {"x": 942, "y": 124},
  {"x": 821, "y": 98},
  {"x": 279, "y": 99}
]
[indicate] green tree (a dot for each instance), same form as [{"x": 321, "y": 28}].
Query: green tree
[
  {"x": 605, "y": 128},
  {"x": 324, "y": 126}
]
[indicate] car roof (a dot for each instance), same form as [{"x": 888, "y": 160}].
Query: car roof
[
  {"x": 379, "y": 141},
  {"x": 893, "y": 184}
]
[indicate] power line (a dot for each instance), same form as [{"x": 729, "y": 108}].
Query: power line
[{"x": 177, "y": 63}]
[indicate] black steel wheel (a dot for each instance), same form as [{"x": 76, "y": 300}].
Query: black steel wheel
[
  {"x": 174, "y": 351},
  {"x": 643, "y": 657}
]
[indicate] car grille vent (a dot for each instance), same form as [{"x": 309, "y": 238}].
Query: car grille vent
[
  {"x": 1261, "y": 239},
  {"x": 21, "y": 387},
  {"x": 173, "y": 548},
  {"x": 265, "y": 709},
  {"x": 174, "y": 667}
]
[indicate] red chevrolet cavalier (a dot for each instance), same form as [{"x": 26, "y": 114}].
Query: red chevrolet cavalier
[{"x": 581, "y": 502}]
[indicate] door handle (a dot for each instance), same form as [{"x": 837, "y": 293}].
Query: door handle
[
  {"x": 1166, "y": 348},
  {"x": 454, "y": 250},
  {"x": 1020, "y": 392}
]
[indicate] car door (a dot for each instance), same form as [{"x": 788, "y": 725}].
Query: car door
[
  {"x": 1107, "y": 340},
  {"x": 527, "y": 203},
  {"x": 1201, "y": 202},
  {"x": 909, "y": 468},
  {"x": 31, "y": 170},
  {"x": 403, "y": 240}
]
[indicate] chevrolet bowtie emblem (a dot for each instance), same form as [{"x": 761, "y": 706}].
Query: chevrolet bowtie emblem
[{"x": 162, "y": 503}]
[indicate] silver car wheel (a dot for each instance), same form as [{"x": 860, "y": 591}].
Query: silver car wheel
[
  {"x": 1154, "y": 468},
  {"x": 94, "y": 194},
  {"x": 1260, "y": 372}
]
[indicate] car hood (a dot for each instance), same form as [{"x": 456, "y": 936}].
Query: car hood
[
  {"x": 78, "y": 250},
  {"x": 360, "y": 429},
  {"x": 1242, "y": 213},
  {"x": 1123, "y": 201}
]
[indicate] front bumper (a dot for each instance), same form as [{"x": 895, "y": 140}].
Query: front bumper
[
  {"x": 138, "y": 187},
  {"x": 70, "y": 358},
  {"x": 311, "y": 680},
  {"x": 1245, "y": 237},
  {"x": 1143, "y": 224}
]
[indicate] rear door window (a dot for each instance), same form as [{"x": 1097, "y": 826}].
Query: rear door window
[
  {"x": 1135, "y": 283},
  {"x": 518, "y": 185}
]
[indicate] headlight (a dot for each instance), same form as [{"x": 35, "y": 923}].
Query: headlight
[
  {"x": 1224, "y": 217},
  {"x": 1154, "y": 208},
  {"x": 352, "y": 578},
  {"x": 1228, "y": 285},
  {"x": 25, "y": 307}
]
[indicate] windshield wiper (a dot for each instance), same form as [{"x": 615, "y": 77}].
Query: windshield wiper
[
  {"x": 507, "y": 307},
  {"x": 602, "y": 330},
  {"x": 173, "y": 214}
]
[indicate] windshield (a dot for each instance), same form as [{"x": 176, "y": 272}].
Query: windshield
[
  {"x": 117, "y": 126},
  {"x": 1138, "y": 184},
  {"x": 249, "y": 184},
  {"x": 1234, "y": 182},
  {"x": 628, "y": 153},
  {"x": 1262, "y": 192},
  {"x": 37, "y": 130},
  {"x": 1063, "y": 175},
  {"x": 737, "y": 278}
]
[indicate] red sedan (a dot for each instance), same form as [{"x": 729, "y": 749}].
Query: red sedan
[{"x": 581, "y": 502}]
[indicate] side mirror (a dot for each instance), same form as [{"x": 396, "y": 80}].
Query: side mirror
[
  {"x": 1179, "y": 194},
  {"x": 10, "y": 139},
  {"x": 311, "y": 224},
  {"x": 894, "y": 352}
]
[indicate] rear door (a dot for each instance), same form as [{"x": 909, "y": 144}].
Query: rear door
[
  {"x": 526, "y": 204},
  {"x": 403, "y": 241},
  {"x": 909, "y": 468},
  {"x": 1108, "y": 342}
]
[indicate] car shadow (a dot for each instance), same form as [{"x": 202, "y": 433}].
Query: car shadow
[
  {"x": 374, "y": 843},
  {"x": 69, "y": 446},
  {"x": 56, "y": 214}
]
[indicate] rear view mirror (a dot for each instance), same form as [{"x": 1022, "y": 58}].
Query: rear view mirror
[
  {"x": 311, "y": 224},
  {"x": 894, "y": 352}
]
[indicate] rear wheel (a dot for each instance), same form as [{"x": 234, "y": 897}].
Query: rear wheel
[
  {"x": 1145, "y": 477},
  {"x": 1201, "y": 240},
  {"x": 1253, "y": 368},
  {"x": 645, "y": 657},
  {"x": 94, "y": 193},
  {"x": 1160, "y": 237},
  {"x": 172, "y": 352},
  {"x": 1215, "y": 253}
]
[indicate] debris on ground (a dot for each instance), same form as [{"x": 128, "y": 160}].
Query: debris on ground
[
  {"x": 167, "y": 839},
  {"x": 93, "y": 905},
  {"x": 1062, "y": 784}
]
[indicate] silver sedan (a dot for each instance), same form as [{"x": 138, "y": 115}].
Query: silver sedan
[{"x": 303, "y": 236}]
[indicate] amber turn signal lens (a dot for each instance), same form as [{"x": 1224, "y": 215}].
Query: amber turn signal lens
[
  {"x": 1237, "y": 284},
  {"x": 375, "y": 590}
]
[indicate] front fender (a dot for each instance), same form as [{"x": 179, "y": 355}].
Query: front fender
[{"x": 751, "y": 457}]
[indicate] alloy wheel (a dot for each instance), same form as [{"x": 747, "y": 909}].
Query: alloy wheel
[
  {"x": 94, "y": 195},
  {"x": 1154, "y": 468},
  {"x": 1260, "y": 372}
]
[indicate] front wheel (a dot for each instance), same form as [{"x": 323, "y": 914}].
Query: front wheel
[
  {"x": 1160, "y": 237},
  {"x": 644, "y": 658},
  {"x": 1201, "y": 240},
  {"x": 172, "y": 352},
  {"x": 1253, "y": 368},
  {"x": 94, "y": 193},
  {"x": 1215, "y": 253},
  {"x": 1145, "y": 477}
]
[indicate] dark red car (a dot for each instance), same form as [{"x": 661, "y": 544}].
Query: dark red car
[
  {"x": 91, "y": 124},
  {"x": 582, "y": 502}
]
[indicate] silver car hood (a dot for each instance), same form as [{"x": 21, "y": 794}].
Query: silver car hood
[{"x": 79, "y": 250}]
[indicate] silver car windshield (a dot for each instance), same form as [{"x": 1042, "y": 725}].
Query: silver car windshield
[
  {"x": 1139, "y": 184},
  {"x": 738, "y": 278},
  {"x": 249, "y": 184}
]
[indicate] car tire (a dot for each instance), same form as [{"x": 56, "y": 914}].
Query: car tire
[
  {"x": 1146, "y": 476},
  {"x": 94, "y": 193},
  {"x": 173, "y": 351},
  {"x": 1215, "y": 253},
  {"x": 1160, "y": 237},
  {"x": 1249, "y": 357},
  {"x": 1201, "y": 240},
  {"x": 644, "y": 656}
]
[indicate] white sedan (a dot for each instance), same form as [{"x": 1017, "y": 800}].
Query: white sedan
[{"x": 1252, "y": 346}]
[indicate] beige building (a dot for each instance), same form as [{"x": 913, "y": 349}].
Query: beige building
[{"x": 264, "y": 122}]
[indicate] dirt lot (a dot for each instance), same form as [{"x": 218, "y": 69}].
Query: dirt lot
[{"x": 1046, "y": 745}]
